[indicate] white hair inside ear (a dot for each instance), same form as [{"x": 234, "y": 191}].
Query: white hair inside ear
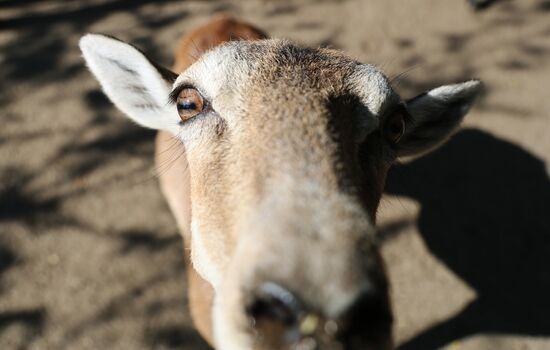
[
  {"x": 137, "y": 86},
  {"x": 465, "y": 92}
]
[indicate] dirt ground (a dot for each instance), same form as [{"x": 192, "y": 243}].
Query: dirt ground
[{"x": 90, "y": 257}]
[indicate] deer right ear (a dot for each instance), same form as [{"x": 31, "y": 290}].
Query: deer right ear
[
  {"x": 137, "y": 86},
  {"x": 436, "y": 114}
]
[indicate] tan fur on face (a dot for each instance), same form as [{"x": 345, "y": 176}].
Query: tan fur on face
[
  {"x": 174, "y": 180},
  {"x": 283, "y": 170},
  {"x": 270, "y": 174},
  {"x": 275, "y": 168}
]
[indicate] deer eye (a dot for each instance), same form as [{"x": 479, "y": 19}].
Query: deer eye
[
  {"x": 189, "y": 103},
  {"x": 395, "y": 125}
]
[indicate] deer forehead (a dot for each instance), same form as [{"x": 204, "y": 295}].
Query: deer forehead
[{"x": 224, "y": 74}]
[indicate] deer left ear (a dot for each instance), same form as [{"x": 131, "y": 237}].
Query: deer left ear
[
  {"x": 436, "y": 114},
  {"x": 136, "y": 85}
]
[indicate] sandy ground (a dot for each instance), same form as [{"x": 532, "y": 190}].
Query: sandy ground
[{"x": 90, "y": 257}]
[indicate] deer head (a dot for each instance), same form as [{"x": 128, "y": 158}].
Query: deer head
[{"x": 288, "y": 150}]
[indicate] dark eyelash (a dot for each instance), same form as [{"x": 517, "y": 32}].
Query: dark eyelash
[{"x": 173, "y": 96}]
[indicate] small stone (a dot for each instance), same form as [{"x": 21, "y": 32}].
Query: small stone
[{"x": 309, "y": 324}]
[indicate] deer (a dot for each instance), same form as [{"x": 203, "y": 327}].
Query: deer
[{"x": 285, "y": 151}]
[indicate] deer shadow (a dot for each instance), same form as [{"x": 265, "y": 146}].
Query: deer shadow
[{"x": 485, "y": 214}]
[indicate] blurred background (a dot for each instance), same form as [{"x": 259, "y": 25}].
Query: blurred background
[{"x": 90, "y": 257}]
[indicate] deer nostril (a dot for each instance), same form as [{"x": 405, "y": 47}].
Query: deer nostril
[
  {"x": 370, "y": 307},
  {"x": 274, "y": 303},
  {"x": 368, "y": 319}
]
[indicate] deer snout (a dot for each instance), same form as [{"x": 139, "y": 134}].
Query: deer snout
[{"x": 282, "y": 320}]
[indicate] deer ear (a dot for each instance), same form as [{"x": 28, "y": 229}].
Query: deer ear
[
  {"x": 137, "y": 86},
  {"x": 436, "y": 114}
]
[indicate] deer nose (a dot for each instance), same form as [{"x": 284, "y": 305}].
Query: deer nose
[
  {"x": 274, "y": 305},
  {"x": 280, "y": 320}
]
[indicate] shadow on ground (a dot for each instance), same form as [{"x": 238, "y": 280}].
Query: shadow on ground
[
  {"x": 32, "y": 320},
  {"x": 484, "y": 214},
  {"x": 37, "y": 52}
]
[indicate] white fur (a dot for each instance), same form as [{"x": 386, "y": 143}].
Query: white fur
[
  {"x": 228, "y": 334},
  {"x": 209, "y": 73},
  {"x": 466, "y": 91},
  {"x": 439, "y": 102},
  {"x": 130, "y": 81},
  {"x": 203, "y": 261},
  {"x": 444, "y": 102},
  {"x": 455, "y": 91},
  {"x": 219, "y": 75},
  {"x": 374, "y": 90}
]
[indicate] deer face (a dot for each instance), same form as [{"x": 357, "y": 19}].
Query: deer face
[{"x": 288, "y": 150}]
